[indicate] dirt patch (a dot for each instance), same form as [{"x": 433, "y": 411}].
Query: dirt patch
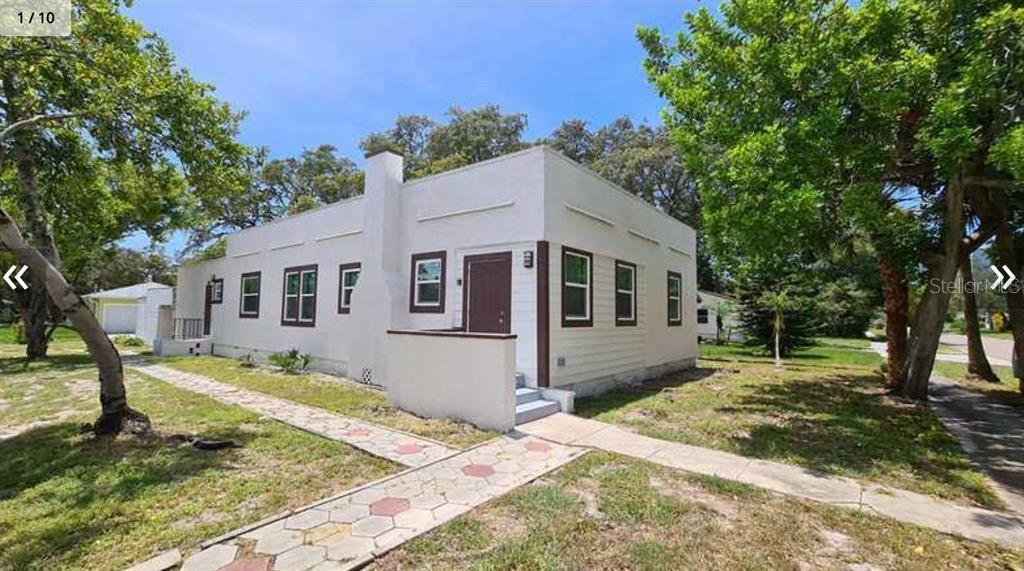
[{"x": 683, "y": 490}]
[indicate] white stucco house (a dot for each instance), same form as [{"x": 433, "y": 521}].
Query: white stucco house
[
  {"x": 494, "y": 292},
  {"x": 708, "y": 305},
  {"x": 132, "y": 309}
]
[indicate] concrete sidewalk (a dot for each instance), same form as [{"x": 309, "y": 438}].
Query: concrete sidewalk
[
  {"x": 990, "y": 431},
  {"x": 880, "y": 348},
  {"x": 972, "y": 523}
]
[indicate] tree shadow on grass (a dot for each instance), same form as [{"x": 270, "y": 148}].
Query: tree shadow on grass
[
  {"x": 62, "y": 490},
  {"x": 844, "y": 424},
  {"x": 619, "y": 398},
  {"x": 53, "y": 363}
]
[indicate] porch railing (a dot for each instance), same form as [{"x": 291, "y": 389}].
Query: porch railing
[{"x": 188, "y": 328}]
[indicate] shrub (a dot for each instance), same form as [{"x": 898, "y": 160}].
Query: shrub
[
  {"x": 129, "y": 341},
  {"x": 291, "y": 361}
]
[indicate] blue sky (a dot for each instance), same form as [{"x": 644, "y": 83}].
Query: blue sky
[{"x": 318, "y": 72}]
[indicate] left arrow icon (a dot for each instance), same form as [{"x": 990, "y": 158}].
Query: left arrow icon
[{"x": 17, "y": 281}]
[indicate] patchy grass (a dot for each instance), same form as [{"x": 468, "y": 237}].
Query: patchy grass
[
  {"x": 827, "y": 414},
  {"x": 604, "y": 511},
  {"x": 331, "y": 393},
  {"x": 1008, "y": 335},
  {"x": 72, "y": 501},
  {"x": 1006, "y": 390}
]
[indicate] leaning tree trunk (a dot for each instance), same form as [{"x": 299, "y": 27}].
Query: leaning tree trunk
[
  {"x": 1014, "y": 295},
  {"x": 34, "y": 305},
  {"x": 896, "y": 293},
  {"x": 111, "y": 374},
  {"x": 931, "y": 313},
  {"x": 977, "y": 362}
]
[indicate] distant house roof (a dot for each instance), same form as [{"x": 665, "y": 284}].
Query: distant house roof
[
  {"x": 128, "y": 292},
  {"x": 710, "y": 294}
]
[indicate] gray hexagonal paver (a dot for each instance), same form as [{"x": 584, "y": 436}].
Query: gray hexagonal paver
[
  {"x": 350, "y": 513},
  {"x": 300, "y": 558},
  {"x": 351, "y": 548},
  {"x": 415, "y": 519},
  {"x": 279, "y": 541},
  {"x": 427, "y": 501},
  {"x": 211, "y": 558},
  {"x": 306, "y": 520},
  {"x": 367, "y": 496},
  {"x": 372, "y": 526}
]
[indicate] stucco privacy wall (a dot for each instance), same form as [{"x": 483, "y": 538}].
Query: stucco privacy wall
[
  {"x": 454, "y": 375},
  {"x": 586, "y": 212},
  {"x": 149, "y": 312}
]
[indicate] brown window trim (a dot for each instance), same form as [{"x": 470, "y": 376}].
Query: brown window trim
[
  {"x": 589, "y": 322},
  {"x": 668, "y": 279},
  {"x": 241, "y": 294},
  {"x": 214, "y": 300},
  {"x": 341, "y": 283},
  {"x": 284, "y": 290},
  {"x": 615, "y": 292},
  {"x": 439, "y": 308}
]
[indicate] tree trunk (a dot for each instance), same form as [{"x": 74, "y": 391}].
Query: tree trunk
[
  {"x": 931, "y": 314},
  {"x": 111, "y": 374},
  {"x": 34, "y": 308},
  {"x": 896, "y": 293},
  {"x": 977, "y": 362},
  {"x": 778, "y": 341},
  {"x": 1014, "y": 295}
]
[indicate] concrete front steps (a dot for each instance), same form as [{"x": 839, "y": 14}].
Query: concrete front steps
[{"x": 530, "y": 405}]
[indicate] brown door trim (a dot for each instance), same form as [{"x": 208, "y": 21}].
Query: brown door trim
[
  {"x": 208, "y": 308},
  {"x": 489, "y": 257},
  {"x": 543, "y": 316}
]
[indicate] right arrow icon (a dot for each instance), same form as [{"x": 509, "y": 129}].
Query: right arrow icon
[{"x": 1009, "y": 277}]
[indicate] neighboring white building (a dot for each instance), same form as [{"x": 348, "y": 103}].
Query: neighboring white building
[
  {"x": 132, "y": 309},
  {"x": 708, "y": 305},
  {"x": 596, "y": 286}
]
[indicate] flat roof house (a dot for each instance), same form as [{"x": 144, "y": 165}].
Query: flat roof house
[{"x": 582, "y": 285}]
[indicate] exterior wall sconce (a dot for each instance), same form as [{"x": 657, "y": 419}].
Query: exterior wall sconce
[{"x": 528, "y": 259}]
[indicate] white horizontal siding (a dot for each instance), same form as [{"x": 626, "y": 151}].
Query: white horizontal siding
[{"x": 604, "y": 349}]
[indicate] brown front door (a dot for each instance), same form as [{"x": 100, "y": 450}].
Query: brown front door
[
  {"x": 487, "y": 293},
  {"x": 207, "y": 309}
]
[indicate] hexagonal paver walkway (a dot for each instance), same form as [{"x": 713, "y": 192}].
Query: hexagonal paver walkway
[
  {"x": 348, "y": 530},
  {"x": 399, "y": 447}
]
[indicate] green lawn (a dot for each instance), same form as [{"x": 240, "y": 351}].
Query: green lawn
[
  {"x": 825, "y": 410},
  {"x": 1006, "y": 390},
  {"x": 608, "y": 512},
  {"x": 71, "y": 501},
  {"x": 330, "y": 393}
]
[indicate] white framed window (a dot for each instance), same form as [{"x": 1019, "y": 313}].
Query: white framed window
[
  {"x": 299, "y": 299},
  {"x": 702, "y": 316},
  {"x": 577, "y": 290},
  {"x": 249, "y": 302},
  {"x": 217, "y": 290},
  {"x": 348, "y": 278},
  {"x": 427, "y": 283},
  {"x": 625, "y": 293},
  {"x": 675, "y": 298}
]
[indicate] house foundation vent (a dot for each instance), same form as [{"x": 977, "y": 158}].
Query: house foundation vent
[{"x": 367, "y": 375}]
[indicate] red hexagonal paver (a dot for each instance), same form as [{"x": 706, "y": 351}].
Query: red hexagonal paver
[
  {"x": 359, "y": 432},
  {"x": 478, "y": 470},
  {"x": 389, "y": 506},
  {"x": 409, "y": 448},
  {"x": 261, "y": 564},
  {"x": 537, "y": 447}
]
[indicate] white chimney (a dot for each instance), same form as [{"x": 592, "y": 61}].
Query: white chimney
[{"x": 378, "y": 298}]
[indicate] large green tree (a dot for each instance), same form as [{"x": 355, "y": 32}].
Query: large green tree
[
  {"x": 101, "y": 130},
  {"x": 806, "y": 118}
]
